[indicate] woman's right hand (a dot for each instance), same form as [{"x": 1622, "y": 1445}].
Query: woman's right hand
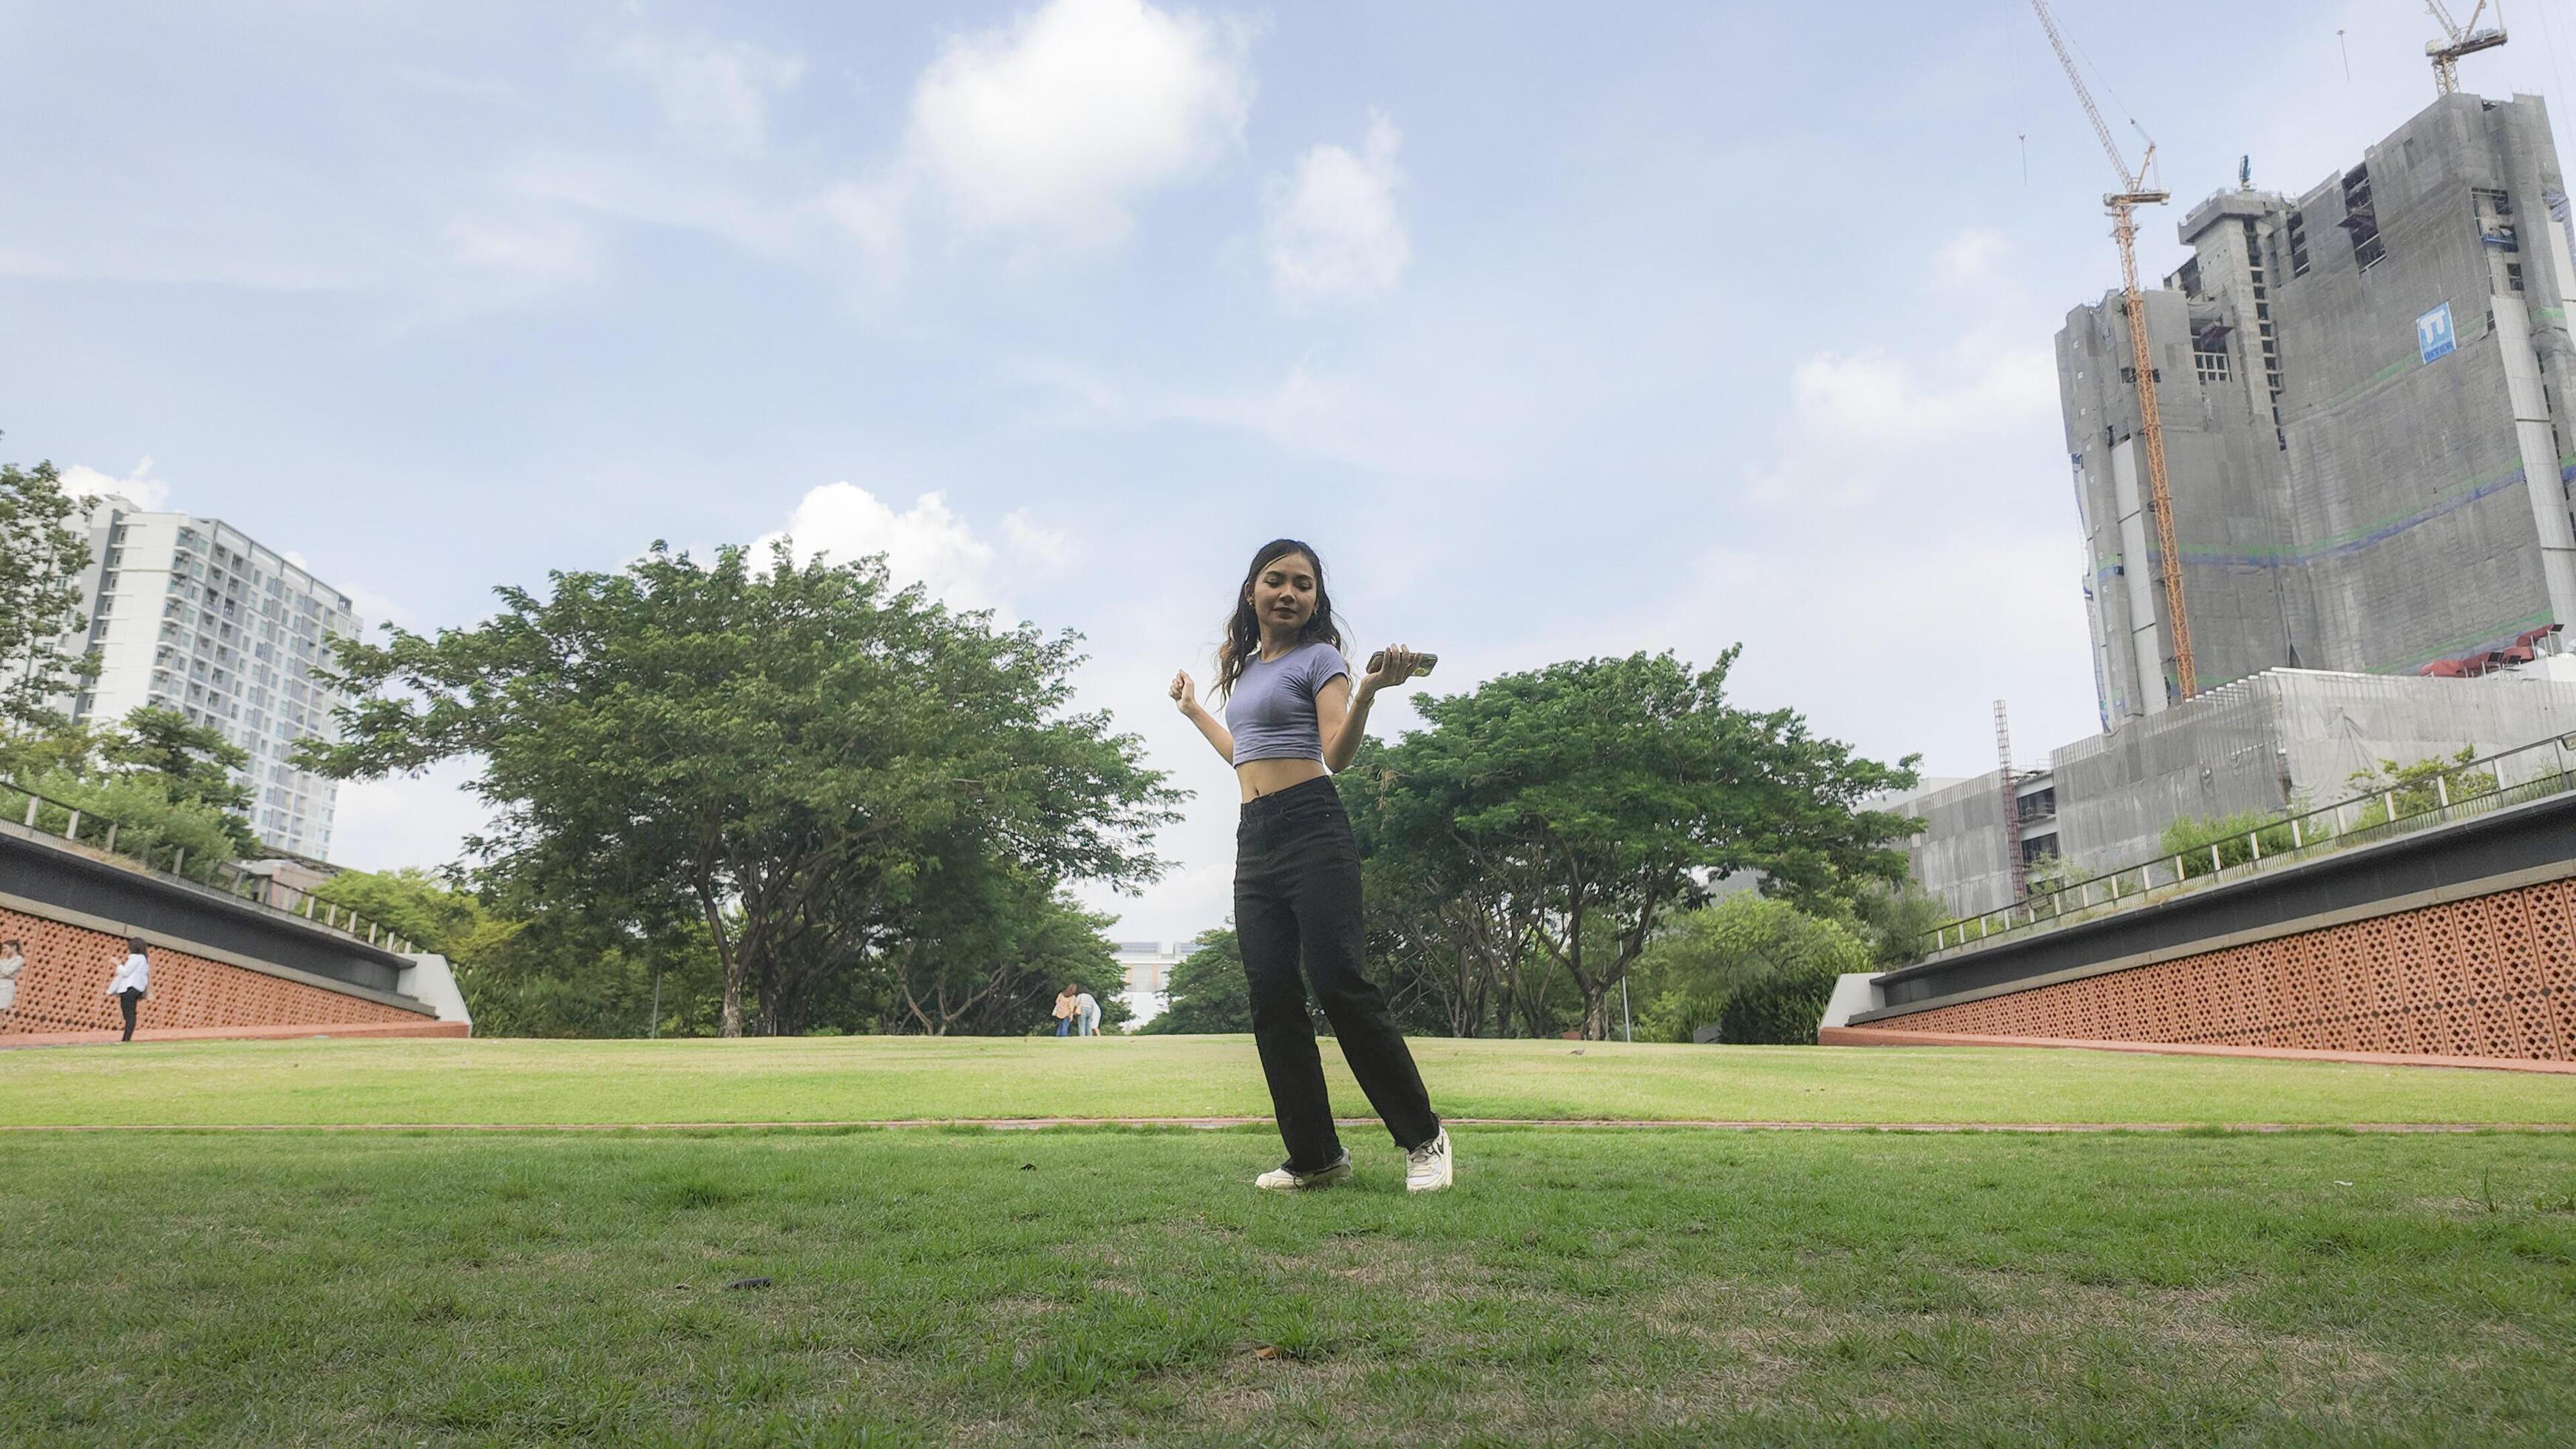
[{"x": 1185, "y": 692}]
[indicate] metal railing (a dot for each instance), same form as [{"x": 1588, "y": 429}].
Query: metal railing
[
  {"x": 2509, "y": 777},
  {"x": 48, "y": 816}
]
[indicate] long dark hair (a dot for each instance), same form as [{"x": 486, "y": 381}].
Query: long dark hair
[{"x": 1243, "y": 628}]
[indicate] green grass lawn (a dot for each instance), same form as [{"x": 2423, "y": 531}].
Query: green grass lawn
[
  {"x": 889, "y": 1078},
  {"x": 1667, "y": 1286}
]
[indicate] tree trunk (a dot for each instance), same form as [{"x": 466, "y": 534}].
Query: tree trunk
[{"x": 730, "y": 954}]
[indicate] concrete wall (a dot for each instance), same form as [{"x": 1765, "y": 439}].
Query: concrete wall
[
  {"x": 217, "y": 961},
  {"x": 2253, "y": 745},
  {"x": 1960, "y": 856},
  {"x": 62, "y": 989},
  {"x": 2281, "y": 736}
]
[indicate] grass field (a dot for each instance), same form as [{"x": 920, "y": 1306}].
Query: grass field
[
  {"x": 1649, "y": 1285},
  {"x": 892, "y": 1078}
]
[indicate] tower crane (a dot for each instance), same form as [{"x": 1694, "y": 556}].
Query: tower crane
[
  {"x": 2464, "y": 40},
  {"x": 2134, "y": 192}
]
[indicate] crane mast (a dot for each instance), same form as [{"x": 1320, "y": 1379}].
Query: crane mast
[{"x": 2122, "y": 205}]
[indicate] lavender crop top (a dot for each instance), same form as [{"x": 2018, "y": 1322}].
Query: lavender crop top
[{"x": 1271, "y": 709}]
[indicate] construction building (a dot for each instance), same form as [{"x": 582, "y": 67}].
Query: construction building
[
  {"x": 2366, "y": 397},
  {"x": 189, "y": 614},
  {"x": 2366, "y": 404}
]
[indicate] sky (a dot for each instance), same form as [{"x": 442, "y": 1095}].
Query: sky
[{"x": 1560, "y": 331}]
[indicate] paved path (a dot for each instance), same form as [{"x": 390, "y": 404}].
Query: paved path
[{"x": 1037, "y": 1124}]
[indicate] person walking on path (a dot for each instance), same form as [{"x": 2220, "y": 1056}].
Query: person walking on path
[
  {"x": 12, "y": 961},
  {"x": 1086, "y": 1010},
  {"x": 1292, "y": 718},
  {"x": 131, "y": 983},
  {"x": 1065, "y": 1008}
]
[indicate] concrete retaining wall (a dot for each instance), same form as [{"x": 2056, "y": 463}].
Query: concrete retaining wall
[{"x": 218, "y": 963}]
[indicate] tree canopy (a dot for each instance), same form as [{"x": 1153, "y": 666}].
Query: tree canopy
[
  {"x": 1541, "y": 828},
  {"x": 1207, "y": 992},
  {"x": 42, "y": 558},
  {"x": 822, "y": 771}
]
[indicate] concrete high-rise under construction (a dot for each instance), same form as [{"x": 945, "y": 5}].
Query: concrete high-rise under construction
[{"x": 2367, "y": 393}]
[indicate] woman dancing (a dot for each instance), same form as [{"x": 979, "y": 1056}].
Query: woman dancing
[{"x": 1291, "y": 719}]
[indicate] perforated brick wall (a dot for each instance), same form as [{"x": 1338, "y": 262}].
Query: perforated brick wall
[
  {"x": 2493, "y": 976},
  {"x": 63, "y": 987}
]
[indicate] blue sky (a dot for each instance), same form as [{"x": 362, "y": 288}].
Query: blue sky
[{"x": 1561, "y": 330}]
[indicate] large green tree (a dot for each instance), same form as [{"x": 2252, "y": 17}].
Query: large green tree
[
  {"x": 42, "y": 557},
  {"x": 774, "y": 749},
  {"x": 1207, "y": 991},
  {"x": 1555, "y": 818}
]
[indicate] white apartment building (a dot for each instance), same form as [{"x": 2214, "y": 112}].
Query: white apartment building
[
  {"x": 192, "y": 615},
  {"x": 1145, "y": 975}
]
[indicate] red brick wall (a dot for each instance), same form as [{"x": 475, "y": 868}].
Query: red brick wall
[
  {"x": 2492, "y": 976},
  {"x": 64, "y": 988}
]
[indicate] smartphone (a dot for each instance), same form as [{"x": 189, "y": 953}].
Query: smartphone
[{"x": 1377, "y": 661}]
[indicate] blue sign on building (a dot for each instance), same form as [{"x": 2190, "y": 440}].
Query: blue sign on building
[{"x": 2433, "y": 336}]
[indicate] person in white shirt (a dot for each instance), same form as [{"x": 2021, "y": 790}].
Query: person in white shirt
[
  {"x": 11, "y": 963},
  {"x": 131, "y": 983},
  {"x": 1087, "y": 1008}
]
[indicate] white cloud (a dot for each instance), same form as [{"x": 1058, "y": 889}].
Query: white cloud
[
  {"x": 138, "y": 487},
  {"x": 1862, "y": 424},
  {"x": 1919, "y": 629},
  {"x": 926, "y": 543},
  {"x": 407, "y": 820},
  {"x": 1072, "y": 113},
  {"x": 374, "y": 610},
  {"x": 543, "y": 249},
  {"x": 714, "y": 93},
  {"x": 871, "y": 214},
  {"x": 1968, "y": 258},
  {"x": 1332, "y": 226}
]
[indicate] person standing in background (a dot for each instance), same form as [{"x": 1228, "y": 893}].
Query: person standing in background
[
  {"x": 1086, "y": 1009},
  {"x": 11, "y": 963},
  {"x": 131, "y": 983},
  {"x": 1065, "y": 1009}
]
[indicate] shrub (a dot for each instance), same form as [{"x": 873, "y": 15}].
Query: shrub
[
  {"x": 2192, "y": 839},
  {"x": 149, "y": 825},
  {"x": 2413, "y": 787},
  {"x": 1781, "y": 1010},
  {"x": 1747, "y": 959}
]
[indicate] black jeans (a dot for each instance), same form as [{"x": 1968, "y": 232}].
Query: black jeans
[
  {"x": 125, "y": 1002},
  {"x": 1297, "y": 896}
]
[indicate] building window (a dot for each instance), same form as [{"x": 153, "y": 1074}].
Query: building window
[
  {"x": 2210, "y": 366},
  {"x": 2513, "y": 275},
  {"x": 2298, "y": 244},
  {"x": 2361, "y": 220}
]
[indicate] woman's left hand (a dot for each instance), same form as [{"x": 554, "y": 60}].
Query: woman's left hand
[{"x": 1396, "y": 665}]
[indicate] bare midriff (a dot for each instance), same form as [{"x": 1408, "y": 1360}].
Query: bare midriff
[{"x": 1269, "y": 777}]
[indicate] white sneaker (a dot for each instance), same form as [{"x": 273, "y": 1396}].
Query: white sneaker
[
  {"x": 1286, "y": 1179},
  {"x": 1427, "y": 1168}
]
